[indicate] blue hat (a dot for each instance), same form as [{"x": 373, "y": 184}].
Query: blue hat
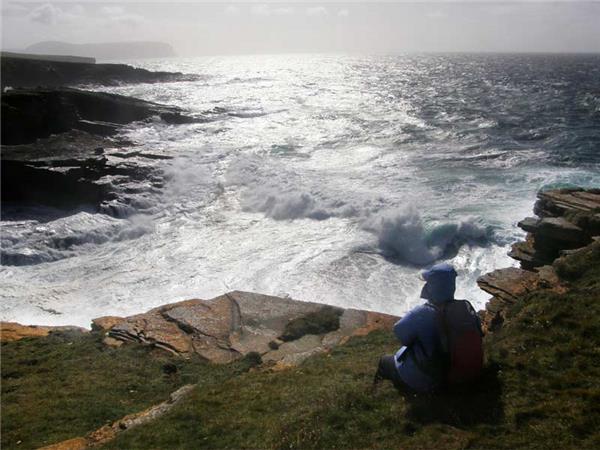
[{"x": 440, "y": 283}]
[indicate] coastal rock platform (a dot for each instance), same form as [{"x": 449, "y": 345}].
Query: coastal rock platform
[{"x": 281, "y": 330}]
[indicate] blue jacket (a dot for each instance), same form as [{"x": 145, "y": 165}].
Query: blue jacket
[{"x": 421, "y": 324}]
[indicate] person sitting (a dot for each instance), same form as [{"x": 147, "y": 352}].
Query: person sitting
[{"x": 441, "y": 339}]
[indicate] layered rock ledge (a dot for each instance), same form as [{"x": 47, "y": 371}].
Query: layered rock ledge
[
  {"x": 54, "y": 144},
  {"x": 567, "y": 224}
]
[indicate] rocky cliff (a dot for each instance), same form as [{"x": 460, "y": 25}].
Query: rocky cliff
[
  {"x": 54, "y": 141},
  {"x": 567, "y": 224}
]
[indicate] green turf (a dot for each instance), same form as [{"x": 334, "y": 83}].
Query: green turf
[{"x": 68, "y": 384}]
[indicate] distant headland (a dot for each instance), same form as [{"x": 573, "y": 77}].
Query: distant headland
[{"x": 104, "y": 50}]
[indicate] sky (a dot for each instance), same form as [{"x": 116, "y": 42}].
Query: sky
[{"x": 214, "y": 28}]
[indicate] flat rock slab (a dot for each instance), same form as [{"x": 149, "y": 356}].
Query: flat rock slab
[
  {"x": 560, "y": 201},
  {"x": 560, "y": 229},
  {"x": 232, "y": 325},
  {"x": 509, "y": 284}
]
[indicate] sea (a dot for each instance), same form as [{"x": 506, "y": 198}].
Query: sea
[{"x": 327, "y": 178}]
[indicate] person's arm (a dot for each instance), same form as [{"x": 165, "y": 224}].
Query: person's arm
[{"x": 406, "y": 328}]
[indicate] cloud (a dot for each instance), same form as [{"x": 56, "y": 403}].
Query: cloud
[
  {"x": 118, "y": 16},
  {"x": 283, "y": 11},
  {"x": 316, "y": 11},
  {"x": 437, "y": 14},
  {"x": 15, "y": 10},
  {"x": 131, "y": 20},
  {"x": 49, "y": 14},
  {"x": 113, "y": 10},
  {"x": 46, "y": 14},
  {"x": 266, "y": 10},
  {"x": 261, "y": 10},
  {"x": 232, "y": 10}
]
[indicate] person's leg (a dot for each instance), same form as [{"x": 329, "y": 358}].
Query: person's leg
[{"x": 386, "y": 370}]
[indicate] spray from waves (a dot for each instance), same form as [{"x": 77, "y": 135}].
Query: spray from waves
[
  {"x": 294, "y": 205},
  {"x": 402, "y": 237},
  {"x": 34, "y": 243}
]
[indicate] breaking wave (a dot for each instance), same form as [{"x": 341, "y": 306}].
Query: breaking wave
[
  {"x": 35, "y": 243},
  {"x": 403, "y": 237}
]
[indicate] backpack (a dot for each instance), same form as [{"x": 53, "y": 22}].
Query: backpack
[
  {"x": 461, "y": 340},
  {"x": 458, "y": 357}
]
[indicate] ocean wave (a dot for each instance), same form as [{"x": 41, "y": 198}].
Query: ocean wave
[
  {"x": 34, "y": 243},
  {"x": 401, "y": 234},
  {"x": 294, "y": 205},
  {"x": 403, "y": 237}
]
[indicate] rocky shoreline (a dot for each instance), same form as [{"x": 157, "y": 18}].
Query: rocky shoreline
[
  {"x": 60, "y": 145},
  {"x": 285, "y": 332},
  {"x": 31, "y": 73},
  {"x": 568, "y": 224},
  {"x": 270, "y": 334}
]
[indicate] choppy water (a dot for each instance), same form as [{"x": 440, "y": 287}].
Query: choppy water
[{"x": 327, "y": 178}]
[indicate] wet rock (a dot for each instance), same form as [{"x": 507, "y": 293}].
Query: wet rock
[
  {"x": 529, "y": 224},
  {"x": 30, "y": 114},
  {"x": 556, "y": 244},
  {"x": 24, "y": 184},
  {"x": 54, "y": 146},
  {"x": 528, "y": 255}
]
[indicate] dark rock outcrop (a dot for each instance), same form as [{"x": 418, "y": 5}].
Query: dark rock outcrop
[
  {"x": 54, "y": 141},
  {"x": 569, "y": 219},
  {"x": 22, "y": 72},
  {"x": 30, "y": 114},
  {"x": 281, "y": 330}
]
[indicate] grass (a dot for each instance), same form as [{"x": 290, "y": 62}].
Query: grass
[
  {"x": 541, "y": 389},
  {"x": 68, "y": 384}
]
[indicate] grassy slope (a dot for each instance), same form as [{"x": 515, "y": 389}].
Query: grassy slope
[
  {"x": 68, "y": 384},
  {"x": 541, "y": 390}
]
